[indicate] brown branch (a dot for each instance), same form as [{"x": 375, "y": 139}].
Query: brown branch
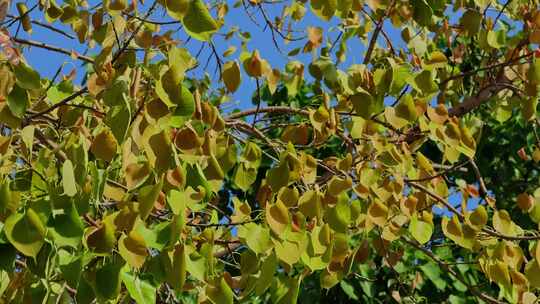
[
  {"x": 447, "y": 268},
  {"x": 474, "y": 102},
  {"x": 242, "y": 125},
  {"x": 133, "y": 34},
  {"x": 258, "y": 102},
  {"x": 441, "y": 173},
  {"x": 52, "y": 48},
  {"x": 373, "y": 41},
  {"x": 275, "y": 109},
  {"x": 375, "y": 34},
  {"x": 48, "y": 26},
  {"x": 222, "y": 224},
  {"x": 489, "y": 67},
  {"x": 59, "y": 104},
  {"x": 438, "y": 198},
  {"x": 483, "y": 189}
]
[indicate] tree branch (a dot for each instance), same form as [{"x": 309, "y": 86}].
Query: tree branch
[{"x": 52, "y": 48}]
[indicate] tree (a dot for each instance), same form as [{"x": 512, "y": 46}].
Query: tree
[{"x": 410, "y": 177}]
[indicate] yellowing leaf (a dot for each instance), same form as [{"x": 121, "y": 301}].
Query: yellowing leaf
[
  {"x": 231, "y": 75},
  {"x": 101, "y": 239},
  {"x": 254, "y": 65},
  {"x": 277, "y": 217},
  {"x": 136, "y": 174},
  {"x": 525, "y": 201},
  {"x": 437, "y": 59},
  {"x": 378, "y": 212},
  {"x": 498, "y": 272},
  {"x": 452, "y": 229},
  {"x": 229, "y": 51},
  {"x": 104, "y": 145},
  {"x": 198, "y": 22},
  {"x": 528, "y": 108},
  {"x": 132, "y": 248},
  {"x": 310, "y": 204}
]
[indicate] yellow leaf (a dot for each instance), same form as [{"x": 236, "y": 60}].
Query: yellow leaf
[
  {"x": 132, "y": 248},
  {"x": 378, "y": 212},
  {"x": 231, "y": 75},
  {"x": 503, "y": 223},
  {"x": 104, "y": 145},
  {"x": 478, "y": 218}
]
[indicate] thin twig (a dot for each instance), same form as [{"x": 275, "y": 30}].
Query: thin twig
[{"x": 52, "y": 48}]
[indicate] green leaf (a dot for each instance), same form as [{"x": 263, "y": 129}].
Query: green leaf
[
  {"x": 348, "y": 289},
  {"x": 118, "y": 119},
  {"x": 173, "y": 93},
  {"x": 177, "y": 9},
  {"x": 147, "y": 197},
  {"x": 433, "y": 272},
  {"x": 176, "y": 275},
  {"x": 67, "y": 228},
  {"x": 108, "y": 280},
  {"x": 142, "y": 291},
  {"x": 198, "y": 22},
  {"x": 27, "y": 78},
  {"x": 422, "y": 12},
  {"x": 68, "y": 179},
  {"x": 268, "y": 269},
  {"x": 18, "y": 101},
  {"x": 26, "y": 232}
]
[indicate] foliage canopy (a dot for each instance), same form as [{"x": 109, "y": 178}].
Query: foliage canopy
[{"x": 406, "y": 170}]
